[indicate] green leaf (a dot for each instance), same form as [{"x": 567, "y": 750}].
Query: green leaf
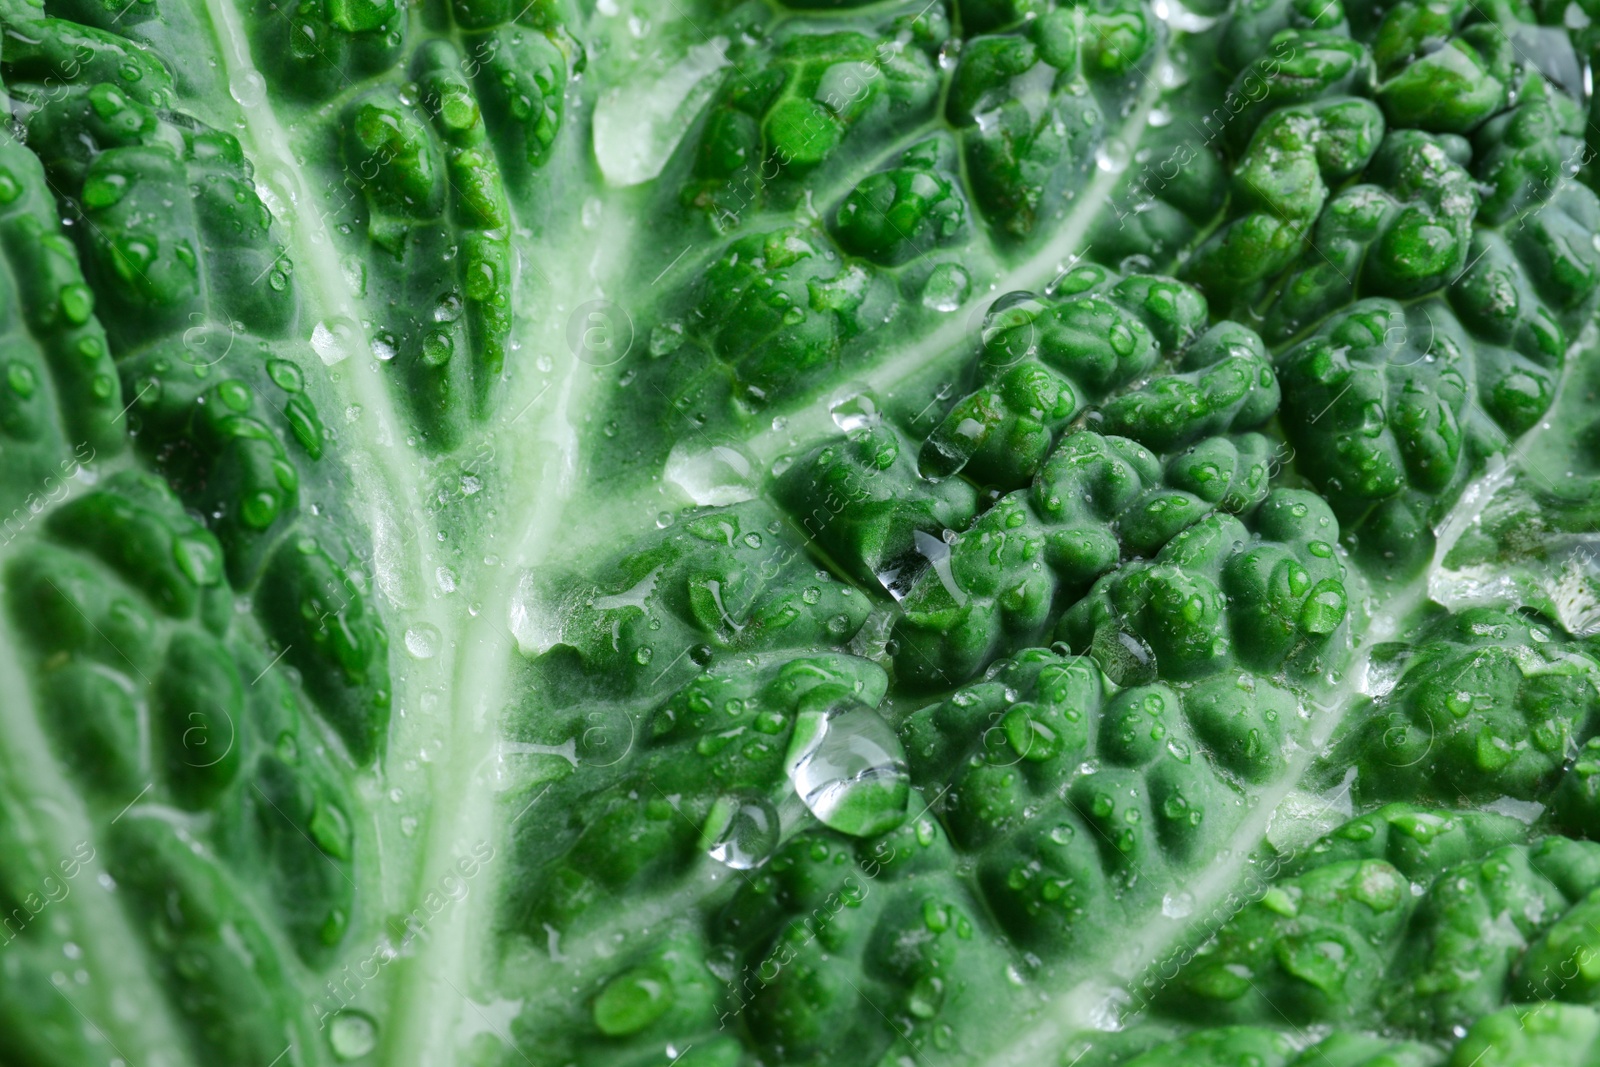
[{"x": 722, "y": 535}]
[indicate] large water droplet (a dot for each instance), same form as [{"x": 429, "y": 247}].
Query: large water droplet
[
  {"x": 422, "y": 641},
  {"x": 333, "y": 339},
  {"x": 741, "y": 832},
  {"x": 1111, "y": 157},
  {"x": 1178, "y": 905},
  {"x": 535, "y": 617},
  {"x": 946, "y": 288},
  {"x": 637, "y": 126},
  {"x": 848, "y": 767},
  {"x": 899, "y": 575},
  {"x": 716, "y": 476},
  {"x": 1124, "y": 657},
  {"x": 249, "y": 88},
  {"x": 1009, "y": 332},
  {"x": 352, "y": 1034},
  {"x": 855, "y": 412}
]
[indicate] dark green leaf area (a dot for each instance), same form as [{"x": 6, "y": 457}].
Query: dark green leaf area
[
  {"x": 861, "y": 499},
  {"x": 1401, "y": 232},
  {"x": 225, "y": 447},
  {"x": 716, "y": 769},
  {"x": 1449, "y": 67},
  {"x": 793, "y": 108},
  {"x": 59, "y": 394},
  {"x": 1044, "y": 360},
  {"x": 1003, "y": 583},
  {"x": 173, "y": 234},
  {"x": 719, "y": 582},
  {"x": 53, "y": 51},
  {"x": 1252, "y": 30},
  {"x": 151, "y": 691},
  {"x": 1034, "y": 105},
  {"x": 439, "y": 221},
  {"x": 773, "y": 317},
  {"x": 1391, "y": 408},
  {"x": 522, "y": 56},
  {"x": 1075, "y": 793},
  {"x": 1386, "y": 925},
  {"x": 1167, "y": 203},
  {"x": 293, "y": 822},
  {"x": 900, "y": 213},
  {"x": 212, "y": 950},
  {"x": 1483, "y": 704},
  {"x": 910, "y": 929},
  {"x": 1219, "y": 596},
  {"x": 1575, "y": 802}
]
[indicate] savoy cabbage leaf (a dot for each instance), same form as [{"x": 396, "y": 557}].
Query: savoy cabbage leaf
[{"x": 719, "y": 534}]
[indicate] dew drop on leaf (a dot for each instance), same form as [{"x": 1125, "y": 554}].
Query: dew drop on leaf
[
  {"x": 352, "y": 1034},
  {"x": 422, "y": 641},
  {"x": 849, "y": 768},
  {"x": 742, "y": 832}
]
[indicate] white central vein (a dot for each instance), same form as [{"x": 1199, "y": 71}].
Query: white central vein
[{"x": 390, "y": 479}]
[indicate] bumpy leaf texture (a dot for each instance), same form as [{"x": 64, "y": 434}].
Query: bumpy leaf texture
[{"x": 717, "y": 534}]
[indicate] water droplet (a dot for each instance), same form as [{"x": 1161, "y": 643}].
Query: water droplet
[
  {"x": 286, "y": 375},
  {"x": 665, "y": 338},
  {"x": 352, "y": 1034},
  {"x": 926, "y": 997},
  {"x": 332, "y": 339},
  {"x": 855, "y": 412},
  {"x": 848, "y": 767},
  {"x": 384, "y": 347},
  {"x": 422, "y": 641},
  {"x": 1124, "y": 657},
  {"x": 632, "y": 1001},
  {"x": 900, "y": 575},
  {"x": 1111, "y": 157},
  {"x": 248, "y": 87},
  {"x": 717, "y": 476},
  {"x": 946, "y": 288},
  {"x": 742, "y": 832}
]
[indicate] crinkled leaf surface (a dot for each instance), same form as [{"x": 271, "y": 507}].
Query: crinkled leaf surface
[{"x": 731, "y": 534}]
